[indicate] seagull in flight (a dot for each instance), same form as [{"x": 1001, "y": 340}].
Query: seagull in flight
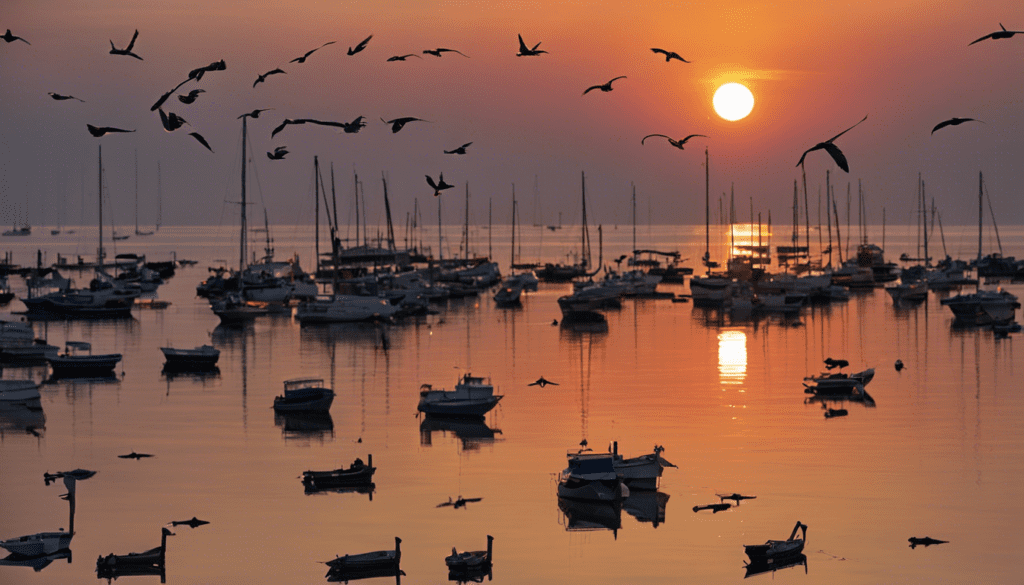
[
  {"x": 193, "y": 523},
  {"x": 437, "y": 52},
  {"x": 286, "y": 123},
  {"x": 262, "y": 78},
  {"x": 439, "y": 186},
  {"x": 201, "y": 140},
  {"x": 953, "y": 122},
  {"x": 676, "y": 143},
  {"x": 525, "y": 51},
  {"x": 542, "y": 382},
  {"x": 303, "y": 58},
  {"x": 11, "y": 38},
  {"x": 999, "y": 34},
  {"x": 353, "y": 126},
  {"x": 832, "y": 149},
  {"x": 134, "y": 455},
  {"x": 360, "y": 46},
  {"x": 459, "y": 150},
  {"x": 198, "y": 72},
  {"x": 278, "y": 153},
  {"x": 191, "y": 97},
  {"x": 399, "y": 123},
  {"x": 403, "y": 57},
  {"x": 669, "y": 55},
  {"x": 171, "y": 121},
  {"x": 127, "y": 50},
  {"x": 164, "y": 97},
  {"x": 100, "y": 131},
  {"x": 606, "y": 87},
  {"x": 253, "y": 114},
  {"x": 60, "y": 97}
]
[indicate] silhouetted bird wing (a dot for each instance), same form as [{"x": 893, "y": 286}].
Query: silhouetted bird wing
[
  {"x": 303, "y": 58},
  {"x": 440, "y": 50},
  {"x": 847, "y": 130},
  {"x": 952, "y": 122},
  {"x": 201, "y": 140},
  {"x": 669, "y": 55},
  {"x": 523, "y": 49},
  {"x": 281, "y": 127},
  {"x": 263, "y": 77},
  {"x": 131, "y": 44},
  {"x": 683, "y": 141},
  {"x": 164, "y": 97},
  {"x": 100, "y": 131},
  {"x": 10, "y": 38},
  {"x": 609, "y": 84},
  {"x": 59, "y": 97},
  {"x": 430, "y": 181},
  {"x": 837, "y": 155},
  {"x": 650, "y": 135},
  {"x": 360, "y": 46},
  {"x": 592, "y": 88}
]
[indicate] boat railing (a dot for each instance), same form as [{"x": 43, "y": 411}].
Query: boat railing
[{"x": 299, "y": 383}]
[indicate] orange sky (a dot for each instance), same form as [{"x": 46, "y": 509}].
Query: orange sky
[{"x": 815, "y": 68}]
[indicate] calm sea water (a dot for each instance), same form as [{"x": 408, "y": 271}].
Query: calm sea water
[{"x": 940, "y": 455}]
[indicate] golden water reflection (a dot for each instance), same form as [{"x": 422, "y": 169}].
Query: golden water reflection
[{"x": 732, "y": 357}]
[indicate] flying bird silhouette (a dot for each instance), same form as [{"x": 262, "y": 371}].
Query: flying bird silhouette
[
  {"x": 60, "y": 97},
  {"x": 676, "y": 143},
  {"x": 399, "y": 123},
  {"x": 11, "y": 38},
  {"x": 100, "y": 131},
  {"x": 403, "y": 57},
  {"x": 437, "y": 52},
  {"x": 303, "y": 58},
  {"x": 542, "y": 382},
  {"x": 193, "y": 523},
  {"x": 278, "y": 153},
  {"x": 603, "y": 87},
  {"x": 198, "y": 72},
  {"x": 439, "y": 186},
  {"x": 127, "y": 50},
  {"x": 262, "y": 78},
  {"x": 459, "y": 503},
  {"x": 353, "y": 126},
  {"x": 134, "y": 455},
  {"x": 201, "y": 140},
  {"x": 953, "y": 122},
  {"x": 832, "y": 363},
  {"x": 360, "y": 46},
  {"x": 669, "y": 55},
  {"x": 999, "y": 34},
  {"x": 253, "y": 114},
  {"x": 191, "y": 97},
  {"x": 525, "y": 51},
  {"x": 459, "y": 150},
  {"x": 164, "y": 97},
  {"x": 171, "y": 121},
  {"x": 287, "y": 122},
  {"x": 832, "y": 149}
]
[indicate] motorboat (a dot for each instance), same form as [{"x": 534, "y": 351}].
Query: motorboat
[
  {"x": 202, "y": 357},
  {"x": 115, "y": 564},
  {"x": 233, "y": 309},
  {"x": 306, "y": 394},
  {"x": 983, "y": 307},
  {"x": 509, "y": 292},
  {"x": 101, "y": 299},
  {"x": 640, "y": 473},
  {"x": 39, "y": 544},
  {"x": 356, "y": 475},
  {"x": 37, "y": 351},
  {"x": 908, "y": 292},
  {"x": 841, "y": 381},
  {"x": 778, "y": 549},
  {"x": 592, "y": 476},
  {"x": 15, "y": 333},
  {"x": 710, "y": 290},
  {"x": 73, "y": 363},
  {"x": 345, "y": 309},
  {"x": 381, "y": 559},
  {"x": 468, "y": 560},
  {"x": 473, "y": 396},
  {"x": 18, "y": 391}
]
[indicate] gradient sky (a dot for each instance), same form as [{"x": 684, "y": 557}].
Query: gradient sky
[{"x": 815, "y": 68}]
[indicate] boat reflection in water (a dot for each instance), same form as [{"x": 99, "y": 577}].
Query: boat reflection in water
[
  {"x": 646, "y": 506},
  {"x": 310, "y": 425},
  {"x": 471, "y": 431},
  {"x": 475, "y": 575},
  {"x": 197, "y": 375},
  {"x": 37, "y": 563},
  {"x": 357, "y": 574},
  {"x": 768, "y": 565},
  {"x": 26, "y": 419},
  {"x": 581, "y": 515}
]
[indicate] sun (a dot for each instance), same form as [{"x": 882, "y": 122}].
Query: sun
[{"x": 733, "y": 101}]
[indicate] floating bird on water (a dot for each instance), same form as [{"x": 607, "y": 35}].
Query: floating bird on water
[
  {"x": 403, "y": 57},
  {"x": 831, "y": 363},
  {"x": 278, "y": 153},
  {"x": 306, "y": 121},
  {"x": 999, "y": 34},
  {"x": 11, "y": 38},
  {"x": 554, "y": 322},
  {"x": 193, "y": 523},
  {"x": 360, "y": 46},
  {"x": 100, "y": 131},
  {"x": 303, "y": 58},
  {"x": 439, "y": 186},
  {"x": 127, "y": 50},
  {"x": 459, "y": 150},
  {"x": 354, "y": 126},
  {"x": 605, "y": 87},
  {"x": 715, "y": 508},
  {"x": 262, "y": 78},
  {"x": 191, "y": 97},
  {"x": 171, "y": 121},
  {"x": 735, "y": 497},
  {"x": 201, "y": 140},
  {"x": 134, "y": 455},
  {"x": 437, "y": 52},
  {"x": 583, "y": 443},
  {"x": 399, "y": 123},
  {"x": 254, "y": 113},
  {"x": 953, "y": 122},
  {"x": 926, "y": 541},
  {"x": 669, "y": 55},
  {"x": 458, "y": 503},
  {"x": 60, "y": 97},
  {"x": 164, "y": 97},
  {"x": 676, "y": 143},
  {"x": 832, "y": 149},
  {"x": 834, "y": 412},
  {"x": 542, "y": 382},
  {"x": 198, "y": 72},
  {"x": 524, "y": 51},
  {"x": 899, "y": 365}
]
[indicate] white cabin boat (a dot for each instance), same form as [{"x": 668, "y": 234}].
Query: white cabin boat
[
  {"x": 592, "y": 476},
  {"x": 306, "y": 394},
  {"x": 643, "y": 472},
  {"x": 984, "y": 307},
  {"x": 344, "y": 309},
  {"x": 473, "y": 396}
]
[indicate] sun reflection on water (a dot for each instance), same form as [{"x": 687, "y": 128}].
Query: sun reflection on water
[{"x": 732, "y": 357}]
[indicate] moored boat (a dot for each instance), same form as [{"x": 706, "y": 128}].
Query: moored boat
[
  {"x": 202, "y": 357},
  {"x": 357, "y": 474},
  {"x": 473, "y": 396},
  {"x": 306, "y": 394},
  {"x": 643, "y": 472},
  {"x": 39, "y": 544},
  {"x": 12, "y": 391},
  {"x": 984, "y": 307},
  {"x": 778, "y": 549},
  {"x": 71, "y": 363},
  {"x": 591, "y": 476},
  {"x": 154, "y": 557},
  {"x": 380, "y": 559},
  {"x": 467, "y": 560}
]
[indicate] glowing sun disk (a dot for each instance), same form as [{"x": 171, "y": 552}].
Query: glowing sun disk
[{"x": 733, "y": 101}]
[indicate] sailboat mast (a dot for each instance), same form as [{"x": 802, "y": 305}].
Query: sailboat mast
[
  {"x": 99, "y": 251},
  {"x": 159, "y": 198},
  {"x": 316, "y": 217},
  {"x": 707, "y": 212},
  {"x": 512, "y": 254},
  {"x": 981, "y": 214},
  {"x": 828, "y": 216},
  {"x": 585, "y": 237},
  {"x": 355, "y": 191},
  {"x": 242, "y": 239},
  {"x": 466, "y": 228},
  {"x": 136, "y": 192},
  {"x": 634, "y": 216},
  {"x": 387, "y": 210}
]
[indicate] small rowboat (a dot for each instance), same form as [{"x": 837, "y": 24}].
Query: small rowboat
[
  {"x": 468, "y": 560},
  {"x": 778, "y": 549},
  {"x": 363, "y": 562},
  {"x": 74, "y": 364},
  {"x": 357, "y": 474}
]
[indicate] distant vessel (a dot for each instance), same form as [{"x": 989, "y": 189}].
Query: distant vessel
[
  {"x": 984, "y": 307},
  {"x": 778, "y": 549},
  {"x": 592, "y": 476},
  {"x": 371, "y": 561},
  {"x": 25, "y": 230},
  {"x": 472, "y": 397},
  {"x": 356, "y": 475},
  {"x": 307, "y": 394},
  {"x": 39, "y": 544},
  {"x": 202, "y": 357},
  {"x": 12, "y": 391},
  {"x": 74, "y": 364}
]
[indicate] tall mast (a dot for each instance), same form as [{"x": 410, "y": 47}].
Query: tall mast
[
  {"x": 136, "y": 191},
  {"x": 159, "y": 198},
  {"x": 707, "y": 213},
  {"x": 634, "y": 216},
  {"x": 355, "y": 192},
  {"x": 387, "y": 210},
  {"x": 807, "y": 220},
  {"x": 99, "y": 251},
  {"x": 981, "y": 214},
  {"x": 466, "y": 229},
  {"x": 241, "y": 244},
  {"x": 316, "y": 221},
  {"x": 585, "y": 237},
  {"x": 512, "y": 255},
  {"x": 828, "y": 216}
]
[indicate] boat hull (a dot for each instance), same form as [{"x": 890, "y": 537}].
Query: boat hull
[
  {"x": 18, "y": 391},
  {"x": 455, "y": 408},
  {"x": 34, "y": 545},
  {"x": 320, "y": 402},
  {"x": 70, "y": 366}
]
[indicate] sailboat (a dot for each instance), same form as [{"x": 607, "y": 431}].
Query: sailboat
[
  {"x": 711, "y": 289},
  {"x": 563, "y": 272},
  {"x": 103, "y": 298},
  {"x": 137, "y": 232},
  {"x": 511, "y": 289}
]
